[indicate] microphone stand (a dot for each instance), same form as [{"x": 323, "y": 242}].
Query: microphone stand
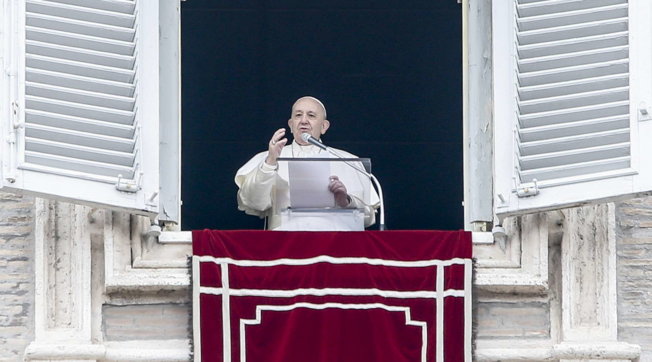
[{"x": 373, "y": 178}]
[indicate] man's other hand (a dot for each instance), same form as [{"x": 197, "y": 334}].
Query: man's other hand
[{"x": 339, "y": 190}]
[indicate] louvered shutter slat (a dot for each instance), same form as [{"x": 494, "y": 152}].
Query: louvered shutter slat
[
  {"x": 577, "y": 142},
  {"x": 84, "y": 12},
  {"x": 527, "y": 8},
  {"x": 573, "y": 59},
  {"x": 574, "y": 128},
  {"x": 574, "y": 114},
  {"x": 575, "y": 169},
  {"x": 123, "y": 6},
  {"x": 81, "y": 152},
  {"x": 573, "y": 17},
  {"x": 80, "y": 96},
  {"x": 84, "y": 167},
  {"x": 80, "y": 27},
  {"x": 573, "y": 73},
  {"x": 561, "y": 158},
  {"x": 52, "y": 78},
  {"x": 95, "y": 71},
  {"x": 572, "y": 31},
  {"x": 77, "y": 40},
  {"x": 74, "y": 137},
  {"x": 573, "y": 45},
  {"x": 77, "y": 110},
  {"x": 574, "y": 100},
  {"x": 77, "y": 54},
  {"x": 68, "y": 122},
  {"x": 573, "y": 86}
]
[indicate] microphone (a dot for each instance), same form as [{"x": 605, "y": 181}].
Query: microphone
[{"x": 306, "y": 137}]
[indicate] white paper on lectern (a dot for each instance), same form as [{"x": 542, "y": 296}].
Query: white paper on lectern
[{"x": 309, "y": 184}]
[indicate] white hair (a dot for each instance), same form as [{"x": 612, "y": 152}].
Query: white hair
[{"x": 314, "y": 99}]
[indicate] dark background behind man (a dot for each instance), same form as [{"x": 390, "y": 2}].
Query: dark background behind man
[{"x": 389, "y": 73}]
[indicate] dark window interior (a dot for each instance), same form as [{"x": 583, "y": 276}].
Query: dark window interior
[{"x": 389, "y": 73}]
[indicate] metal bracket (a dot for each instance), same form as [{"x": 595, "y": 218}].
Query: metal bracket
[
  {"x": 527, "y": 190},
  {"x": 644, "y": 112},
  {"x": 127, "y": 185}
]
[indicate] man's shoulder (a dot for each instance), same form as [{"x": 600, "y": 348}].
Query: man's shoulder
[{"x": 344, "y": 153}]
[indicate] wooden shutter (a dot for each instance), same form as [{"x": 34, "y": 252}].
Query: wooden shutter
[
  {"x": 87, "y": 97},
  {"x": 570, "y": 102}
]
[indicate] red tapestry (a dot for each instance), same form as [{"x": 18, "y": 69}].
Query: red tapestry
[{"x": 381, "y": 296}]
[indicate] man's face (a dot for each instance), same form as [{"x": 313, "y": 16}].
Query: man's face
[{"x": 307, "y": 117}]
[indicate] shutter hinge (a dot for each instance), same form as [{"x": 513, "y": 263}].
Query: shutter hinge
[
  {"x": 15, "y": 124},
  {"x": 10, "y": 175},
  {"x": 127, "y": 185},
  {"x": 15, "y": 120},
  {"x": 528, "y": 189}
]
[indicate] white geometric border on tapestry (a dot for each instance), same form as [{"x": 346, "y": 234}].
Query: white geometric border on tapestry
[
  {"x": 438, "y": 295},
  {"x": 278, "y": 308}
]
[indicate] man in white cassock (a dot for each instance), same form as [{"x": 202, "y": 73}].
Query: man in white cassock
[{"x": 263, "y": 177}]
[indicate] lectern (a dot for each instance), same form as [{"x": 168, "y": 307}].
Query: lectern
[{"x": 303, "y": 202}]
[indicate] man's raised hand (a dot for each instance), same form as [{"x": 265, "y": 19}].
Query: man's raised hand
[{"x": 276, "y": 144}]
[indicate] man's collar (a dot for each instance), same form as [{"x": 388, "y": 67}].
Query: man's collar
[{"x": 307, "y": 149}]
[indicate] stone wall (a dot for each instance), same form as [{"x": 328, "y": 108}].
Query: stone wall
[
  {"x": 526, "y": 308},
  {"x": 568, "y": 313},
  {"x": 509, "y": 316},
  {"x": 514, "y": 294},
  {"x": 16, "y": 275},
  {"x": 634, "y": 230},
  {"x": 146, "y": 321}
]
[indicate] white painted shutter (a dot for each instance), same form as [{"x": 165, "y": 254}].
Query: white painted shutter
[
  {"x": 87, "y": 92},
  {"x": 572, "y": 96}
]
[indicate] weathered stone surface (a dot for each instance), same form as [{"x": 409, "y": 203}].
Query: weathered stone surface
[
  {"x": 634, "y": 252},
  {"x": 146, "y": 321},
  {"x": 521, "y": 319},
  {"x": 16, "y": 275}
]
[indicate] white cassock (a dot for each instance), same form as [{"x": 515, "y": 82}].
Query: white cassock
[{"x": 258, "y": 182}]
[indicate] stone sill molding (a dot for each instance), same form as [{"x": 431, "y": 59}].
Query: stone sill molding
[
  {"x": 136, "y": 261},
  {"x": 518, "y": 264},
  {"x": 185, "y": 237},
  {"x": 616, "y": 351},
  {"x": 179, "y": 350},
  {"x": 148, "y": 350}
]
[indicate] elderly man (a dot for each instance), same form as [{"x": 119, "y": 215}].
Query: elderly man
[{"x": 262, "y": 175}]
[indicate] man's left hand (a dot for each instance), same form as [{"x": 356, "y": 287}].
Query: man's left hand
[{"x": 338, "y": 189}]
